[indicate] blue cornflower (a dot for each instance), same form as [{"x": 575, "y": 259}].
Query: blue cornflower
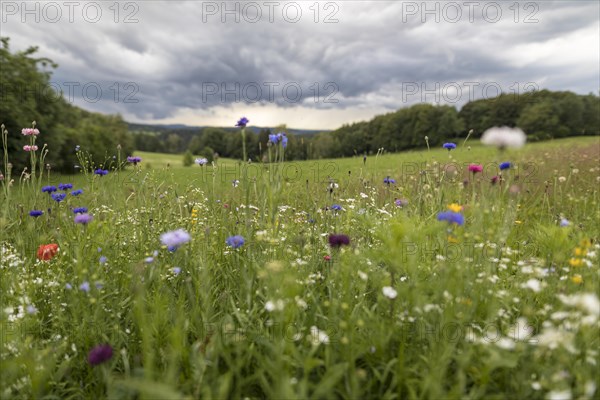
[
  {"x": 35, "y": 213},
  {"x": 49, "y": 189},
  {"x": 80, "y": 210},
  {"x": 389, "y": 181},
  {"x": 242, "y": 122},
  {"x": 283, "y": 139},
  {"x": 452, "y": 217},
  {"x": 103, "y": 260},
  {"x": 175, "y": 239},
  {"x": 274, "y": 138},
  {"x": 101, "y": 172},
  {"x": 76, "y": 192},
  {"x": 176, "y": 270},
  {"x": 85, "y": 286},
  {"x": 65, "y": 186},
  {"x": 83, "y": 219},
  {"x": 505, "y": 165},
  {"x": 336, "y": 207},
  {"x": 134, "y": 160},
  {"x": 235, "y": 241},
  {"x": 449, "y": 146},
  {"x": 58, "y": 197},
  {"x": 564, "y": 222}
]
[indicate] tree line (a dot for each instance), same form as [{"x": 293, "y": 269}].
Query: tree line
[{"x": 26, "y": 96}]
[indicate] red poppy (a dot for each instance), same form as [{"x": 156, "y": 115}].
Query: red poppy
[{"x": 47, "y": 251}]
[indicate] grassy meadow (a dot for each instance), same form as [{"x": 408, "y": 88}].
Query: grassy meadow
[{"x": 503, "y": 304}]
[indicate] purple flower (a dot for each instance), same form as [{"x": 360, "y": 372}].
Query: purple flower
[
  {"x": 49, "y": 189},
  {"x": 400, "y": 202},
  {"x": 235, "y": 241},
  {"x": 505, "y": 165},
  {"x": 336, "y": 240},
  {"x": 80, "y": 210},
  {"x": 35, "y": 213},
  {"x": 564, "y": 222},
  {"x": 100, "y": 354},
  {"x": 449, "y": 146},
  {"x": 83, "y": 219},
  {"x": 77, "y": 148},
  {"x": 281, "y": 137},
  {"x": 58, "y": 197},
  {"x": 65, "y": 186},
  {"x": 174, "y": 239},
  {"x": 389, "y": 180},
  {"x": 201, "y": 161},
  {"x": 336, "y": 207},
  {"x": 242, "y": 122},
  {"x": 452, "y": 217},
  {"x": 103, "y": 260},
  {"x": 85, "y": 286},
  {"x": 76, "y": 192},
  {"x": 134, "y": 160},
  {"x": 101, "y": 172},
  {"x": 176, "y": 270}
]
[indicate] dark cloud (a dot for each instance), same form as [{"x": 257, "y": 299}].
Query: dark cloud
[{"x": 176, "y": 51}]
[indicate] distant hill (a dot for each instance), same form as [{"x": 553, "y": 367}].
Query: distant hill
[{"x": 158, "y": 128}]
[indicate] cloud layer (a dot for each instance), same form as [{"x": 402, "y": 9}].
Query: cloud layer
[{"x": 307, "y": 64}]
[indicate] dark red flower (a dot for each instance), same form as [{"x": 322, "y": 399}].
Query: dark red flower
[
  {"x": 100, "y": 354},
  {"x": 338, "y": 240}
]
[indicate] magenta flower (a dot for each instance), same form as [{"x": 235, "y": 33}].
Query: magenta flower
[{"x": 475, "y": 168}]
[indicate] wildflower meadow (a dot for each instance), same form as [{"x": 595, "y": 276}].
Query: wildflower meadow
[{"x": 463, "y": 270}]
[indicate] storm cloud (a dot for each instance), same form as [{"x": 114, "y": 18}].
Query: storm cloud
[{"x": 307, "y": 64}]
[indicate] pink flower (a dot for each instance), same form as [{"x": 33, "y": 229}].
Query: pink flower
[
  {"x": 30, "y": 148},
  {"x": 474, "y": 168},
  {"x": 30, "y": 131}
]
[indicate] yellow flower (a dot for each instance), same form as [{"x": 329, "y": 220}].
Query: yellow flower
[
  {"x": 455, "y": 207},
  {"x": 580, "y": 251},
  {"x": 575, "y": 262},
  {"x": 518, "y": 222},
  {"x": 452, "y": 239},
  {"x": 577, "y": 279},
  {"x": 585, "y": 243}
]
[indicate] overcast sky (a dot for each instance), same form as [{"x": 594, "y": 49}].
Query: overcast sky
[{"x": 312, "y": 65}]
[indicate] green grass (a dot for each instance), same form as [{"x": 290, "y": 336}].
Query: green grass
[{"x": 504, "y": 306}]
